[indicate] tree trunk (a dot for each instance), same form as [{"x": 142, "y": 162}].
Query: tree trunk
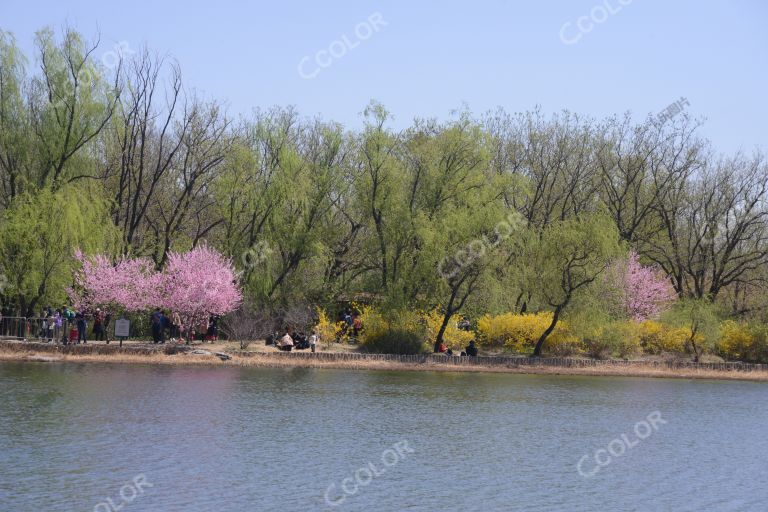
[
  {"x": 548, "y": 331},
  {"x": 382, "y": 247},
  {"x": 441, "y": 332},
  {"x": 449, "y": 312}
]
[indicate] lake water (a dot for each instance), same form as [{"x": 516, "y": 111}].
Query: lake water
[{"x": 76, "y": 437}]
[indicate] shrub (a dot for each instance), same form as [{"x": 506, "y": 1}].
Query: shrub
[
  {"x": 326, "y": 330},
  {"x": 563, "y": 345},
  {"x": 400, "y": 332},
  {"x": 454, "y": 337},
  {"x": 624, "y": 338},
  {"x": 735, "y": 340},
  {"x": 520, "y": 333},
  {"x": 616, "y": 339},
  {"x": 374, "y": 323},
  {"x": 656, "y": 338},
  {"x": 740, "y": 341},
  {"x": 394, "y": 341},
  {"x": 699, "y": 320},
  {"x": 759, "y": 349}
]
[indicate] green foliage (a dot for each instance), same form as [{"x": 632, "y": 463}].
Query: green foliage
[
  {"x": 499, "y": 214},
  {"x": 38, "y": 235},
  {"x": 395, "y": 341},
  {"x": 392, "y": 331},
  {"x": 566, "y": 259},
  {"x": 622, "y": 339},
  {"x": 71, "y": 103},
  {"x": 570, "y": 255},
  {"x": 701, "y": 318}
]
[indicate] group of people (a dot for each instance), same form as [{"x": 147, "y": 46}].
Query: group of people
[
  {"x": 470, "y": 350},
  {"x": 352, "y": 324},
  {"x": 69, "y": 325},
  {"x": 290, "y": 340},
  {"x": 160, "y": 323},
  {"x": 61, "y": 323}
]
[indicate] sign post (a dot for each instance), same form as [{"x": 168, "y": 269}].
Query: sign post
[{"x": 122, "y": 329}]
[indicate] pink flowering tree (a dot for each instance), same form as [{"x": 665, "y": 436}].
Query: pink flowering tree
[
  {"x": 200, "y": 283},
  {"x": 130, "y": 284},
  {"x": 195, "y": 285},
  {"x": 639, "y": 292}
]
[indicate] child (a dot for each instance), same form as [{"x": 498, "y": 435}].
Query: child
[{"x": 313, "y": 341}]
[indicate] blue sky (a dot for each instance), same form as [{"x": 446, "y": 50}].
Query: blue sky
[{"x": 432, "y": 57}]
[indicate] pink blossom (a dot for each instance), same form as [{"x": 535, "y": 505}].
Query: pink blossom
[
  {"x": 640, "y": 292},
  {"x": 195, "y": 285},
  {"x": 131, "y": 284},
  {"x": 200, "y": 283}
]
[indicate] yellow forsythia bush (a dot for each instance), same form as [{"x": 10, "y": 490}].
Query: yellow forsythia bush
[
  {"x": 656, "y": 337},
  {"x": 374, "y": 323},
  {"x": 521, "y": 332},
  {"x": 736, "y": 340},
  {"x": 326, "y": 330},
  {"x": 378, "y": 326},
  {"x": 454, "y": 337},
  {"x": 563, "y": 344}
]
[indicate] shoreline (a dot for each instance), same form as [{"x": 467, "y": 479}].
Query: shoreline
[{"x": 184, "y": 356}]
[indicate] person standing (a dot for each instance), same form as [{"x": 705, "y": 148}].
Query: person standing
[
  {"x": 98, "y": 325},
  {"x": 157, "y": 326},
  {"x": 58, "y": 322},
  {"x": 213, "y": 328},
  {"x": 42, "y": 333},
  {"x": 357, "y": 324},
  {"x": 107, "y": 319},
  {"x": 166, "y": 325},
  {"x": 51, "y": 325},
  {"x": 176, "y": 325},
  {"x": 313, "y": 341},
  {"x": 82, "y": 326}
]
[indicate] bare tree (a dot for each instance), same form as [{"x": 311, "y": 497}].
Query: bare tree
[
  {"x": 715, "y": 227},
  {"x": 145, "y": 143}
]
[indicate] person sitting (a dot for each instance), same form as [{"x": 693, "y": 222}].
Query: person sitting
[
  {"x": 442, "y": 348},
  {"x": 286, "y": 342},
  {"x": 472, "y": 349}
]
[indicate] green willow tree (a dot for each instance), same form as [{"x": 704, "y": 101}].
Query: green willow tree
[
  {"x": 15, "y": 125},
  {"x": 70, "y": 103},
  {"x": 38, "y": 234},
  {"x": 569, "y": 256},
  {"x": 315, "y": 214}
]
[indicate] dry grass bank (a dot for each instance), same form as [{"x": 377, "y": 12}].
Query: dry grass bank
[{"x": 279, "y": 360}]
